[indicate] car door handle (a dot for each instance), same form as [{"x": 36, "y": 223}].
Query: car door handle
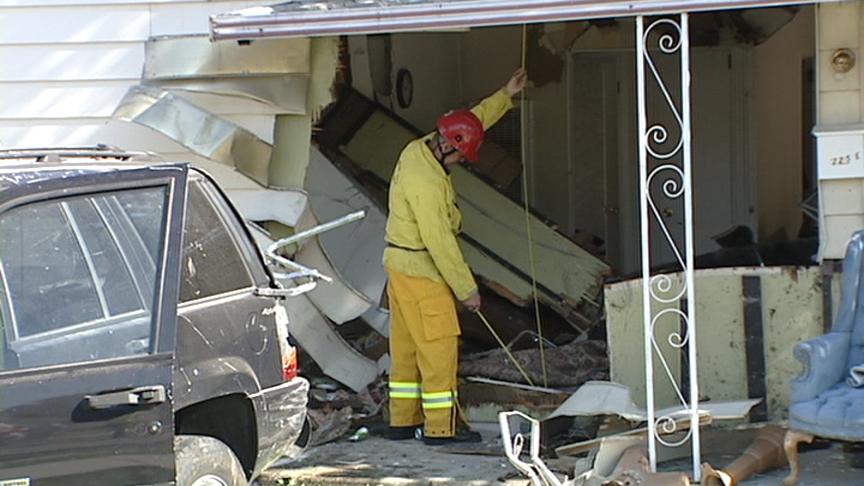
[{"x": 145, "y": 395}]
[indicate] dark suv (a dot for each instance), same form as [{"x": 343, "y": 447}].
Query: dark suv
[{"x": 141, "y": 328}]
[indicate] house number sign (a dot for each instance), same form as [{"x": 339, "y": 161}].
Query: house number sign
[{"x": 840, "y": 152}]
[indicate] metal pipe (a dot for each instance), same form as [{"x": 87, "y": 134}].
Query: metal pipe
[
  {"x": 457, "y": 14},
  {"x": 321, "y": 228},
  {"x": 300, "y": 270}
]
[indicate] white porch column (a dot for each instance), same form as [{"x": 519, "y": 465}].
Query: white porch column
[{"x": 665, "y": 173}]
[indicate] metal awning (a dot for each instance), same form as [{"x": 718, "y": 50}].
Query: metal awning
[{"x": 308, "y": 18}]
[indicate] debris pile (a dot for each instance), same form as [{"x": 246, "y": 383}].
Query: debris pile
[
  {"x": 567, "y": 366},
  {"x": 617, "y": 454}
]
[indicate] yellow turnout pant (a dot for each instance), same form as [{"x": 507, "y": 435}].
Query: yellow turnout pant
[{"x": 424, "y": 334}]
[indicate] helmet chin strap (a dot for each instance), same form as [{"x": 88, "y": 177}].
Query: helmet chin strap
[{"x": 441, "y": 152}]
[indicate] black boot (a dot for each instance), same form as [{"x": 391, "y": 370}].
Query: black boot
[
  {"x": 403, "y": 433},
  {"x": 463, "y": 436}
]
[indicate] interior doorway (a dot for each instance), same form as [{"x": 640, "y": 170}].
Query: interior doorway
[{"x": 603, "y": 168}]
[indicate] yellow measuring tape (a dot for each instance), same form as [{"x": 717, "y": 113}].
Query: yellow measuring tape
[
  {"x": 504, "y": 347},
  {"x": 522, "y": 124}
]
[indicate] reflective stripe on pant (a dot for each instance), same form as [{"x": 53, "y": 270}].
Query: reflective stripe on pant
[{"x": 424, "y": 333}]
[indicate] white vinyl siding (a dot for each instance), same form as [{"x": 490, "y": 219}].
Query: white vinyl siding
[{"x": 89, "y": 53}]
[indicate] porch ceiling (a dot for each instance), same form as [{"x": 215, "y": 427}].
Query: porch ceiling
[{"x": 306, "y": 18}]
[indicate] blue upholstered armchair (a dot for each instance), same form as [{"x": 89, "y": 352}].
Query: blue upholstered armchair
[{"x": 824, "y": 400}]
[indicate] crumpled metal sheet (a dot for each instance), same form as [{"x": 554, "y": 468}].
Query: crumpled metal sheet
[
  {"x": 356, "y": 249},
  {"x": 314, "y": 333},
  {"x": 272, "y": 71},
  {"x": 336, "y": 358},
  {"x": 254, "y": 202},
  {"x": 283, "y": 206},
  {"x": 378, "y": 318},
  {"x": 195, "y": 56},
  {"x": 285, "y": 93},
  {"x": 198, "y": 130},
  {"x": 338, "y": 300}
]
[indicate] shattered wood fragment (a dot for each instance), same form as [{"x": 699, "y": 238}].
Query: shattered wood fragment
[
  {"x": 506, "y": 397},
  {"x": 505, "y": 292}
]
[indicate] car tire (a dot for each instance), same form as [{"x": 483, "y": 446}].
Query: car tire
[{"x": 205, "y": 461}]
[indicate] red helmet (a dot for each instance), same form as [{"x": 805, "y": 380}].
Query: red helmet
[{"x": 463, "y": 130}]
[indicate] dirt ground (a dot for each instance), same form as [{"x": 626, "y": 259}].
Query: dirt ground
[{"x": 380, "y": 462}]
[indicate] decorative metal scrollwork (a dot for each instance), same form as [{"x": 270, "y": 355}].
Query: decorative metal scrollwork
[{"x": 665, "y": 171}]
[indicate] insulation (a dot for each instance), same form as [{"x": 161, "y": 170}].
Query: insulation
[{"x": 569, "y": 365}]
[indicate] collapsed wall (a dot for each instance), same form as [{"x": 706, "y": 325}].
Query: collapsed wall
[{"x": 223, "y": 111}]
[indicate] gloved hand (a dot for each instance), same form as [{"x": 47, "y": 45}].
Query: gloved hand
[{"x": 472, "y": 303}]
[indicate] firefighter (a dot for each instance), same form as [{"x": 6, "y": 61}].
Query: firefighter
[{"x": 425, "y": 269}]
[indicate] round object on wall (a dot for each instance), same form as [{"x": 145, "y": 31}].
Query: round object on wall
[
  {"x": 842, "y": 61},
  {"x": 404, "y": 88}
]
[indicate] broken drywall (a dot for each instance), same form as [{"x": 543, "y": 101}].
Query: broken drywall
[
  {"x": 608, "y": 398},
  {"x": 213, "y": 89}
]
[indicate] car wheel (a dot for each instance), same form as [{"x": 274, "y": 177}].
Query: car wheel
[{"x": 205, "y": 461}]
